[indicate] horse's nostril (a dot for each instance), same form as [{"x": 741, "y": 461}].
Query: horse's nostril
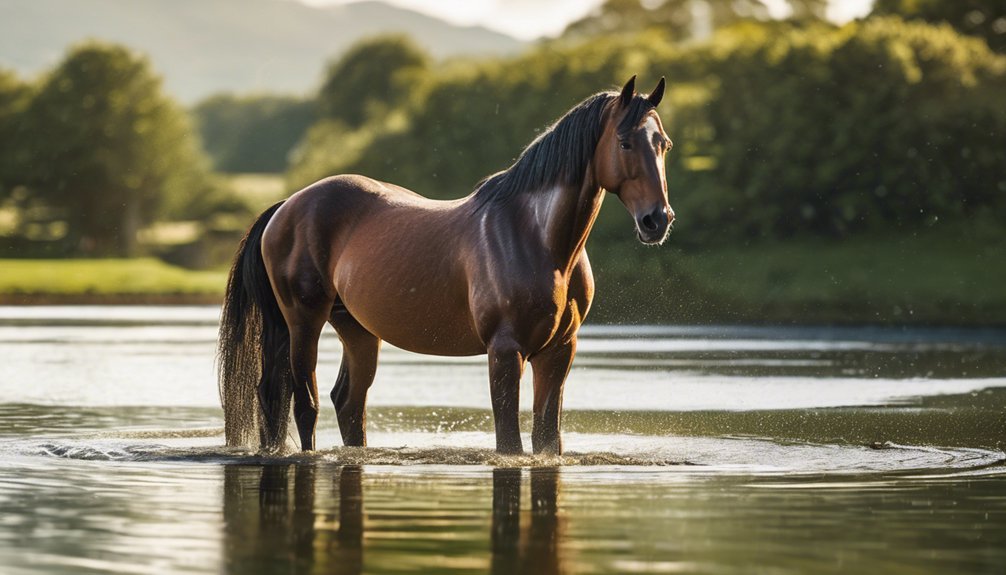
[{"x": 648, "y": 222}]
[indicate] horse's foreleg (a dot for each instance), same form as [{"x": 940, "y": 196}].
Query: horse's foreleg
[
  {"x": 359, "y": 365},
  {"x": 550, "y": 369},
  {"x": 304, "y": 336},
  {"x": 506, "y": 365}
]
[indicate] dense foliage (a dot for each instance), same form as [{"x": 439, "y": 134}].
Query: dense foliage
[
  {"x": 877, "y": 124},
  {"x": 983, "y": 18},
  {"x": 683, "y": 19}
]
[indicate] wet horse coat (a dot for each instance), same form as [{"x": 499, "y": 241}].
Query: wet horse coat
[{"x": 502, "y": 271}]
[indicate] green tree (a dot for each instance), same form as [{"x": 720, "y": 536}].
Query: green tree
[
  {"x": 14, "y": 98},
  {"x": 110, "y": 150},
  {"x": 983, "y": 18},
  {"x": 674, "y": 17},
  {"x": 373, "y": 77},
  {"x": 252, "y": 133},
  {"x": 679, "y": 19},
  {"x": 808, "y": 9}
]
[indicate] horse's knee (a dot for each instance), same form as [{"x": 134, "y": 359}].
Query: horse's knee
[{"x": 506, "y": 359}]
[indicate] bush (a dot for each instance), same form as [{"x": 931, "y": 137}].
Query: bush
[{"x": 876, "y": 124}]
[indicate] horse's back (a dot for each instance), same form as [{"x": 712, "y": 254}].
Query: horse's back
[
  {"x": 343, "y": 195},
  {"x": 322, "y": 215}
]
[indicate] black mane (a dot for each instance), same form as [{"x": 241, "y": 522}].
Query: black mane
[{"x": 560, "y": 155}]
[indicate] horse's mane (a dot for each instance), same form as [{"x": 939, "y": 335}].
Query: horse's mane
[{"x": 560, "y": 155}]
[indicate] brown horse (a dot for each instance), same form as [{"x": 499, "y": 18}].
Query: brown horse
[{"x": 502, "y": 271}]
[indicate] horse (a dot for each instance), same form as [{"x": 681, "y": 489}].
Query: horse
[{"x": 501, "y": 272}]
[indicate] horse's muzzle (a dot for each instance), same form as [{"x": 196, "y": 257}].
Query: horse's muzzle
[{"x": 653, "y": 227}]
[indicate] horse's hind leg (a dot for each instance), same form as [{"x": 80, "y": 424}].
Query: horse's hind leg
[
  {"x": 359, "y": 364},
  {"x": 305, "y": 329}
]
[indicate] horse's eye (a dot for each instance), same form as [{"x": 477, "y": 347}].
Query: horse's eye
[{"x": 625, "y": 145}]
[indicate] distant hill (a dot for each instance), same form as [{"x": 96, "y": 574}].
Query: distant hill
[{"x": 207, "y": 46}]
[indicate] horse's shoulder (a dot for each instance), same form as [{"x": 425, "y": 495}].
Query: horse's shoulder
[
  {"x": 581, "y": 283},
  {"x": 582, "y": 271}
]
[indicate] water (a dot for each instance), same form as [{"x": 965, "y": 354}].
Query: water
[{"x": 696, "y": 450}]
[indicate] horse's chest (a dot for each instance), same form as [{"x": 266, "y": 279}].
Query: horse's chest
[{"x": 532, "y": 307}]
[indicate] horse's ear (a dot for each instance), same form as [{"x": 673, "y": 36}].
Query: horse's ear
[
  {"x": 657, "y": 94},
  {"x": 628, "y": 91}
]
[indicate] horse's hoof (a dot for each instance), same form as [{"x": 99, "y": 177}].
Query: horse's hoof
[{"x": 510, "y": 450}]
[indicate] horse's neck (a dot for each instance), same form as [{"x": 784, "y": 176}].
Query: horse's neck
[{"x": 565, "y": 216}]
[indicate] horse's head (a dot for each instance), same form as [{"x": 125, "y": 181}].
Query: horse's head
[{"x": 629, "y": 160}]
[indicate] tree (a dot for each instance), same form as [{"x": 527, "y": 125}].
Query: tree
[
  {"x": 374, "y": 76},
  {"x": 14, "y": 98},
  {"x": 983, "y": 18},
  {"x": 252, "y": 133},
  {"x": 808, "y": 9},
  {"x": 109, "y": 149},
  {"x": 672, "y": 16},
  {"x": 680, "y": 19}
]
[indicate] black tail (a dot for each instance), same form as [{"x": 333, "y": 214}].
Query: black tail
[{"x": 253, "y": 352}]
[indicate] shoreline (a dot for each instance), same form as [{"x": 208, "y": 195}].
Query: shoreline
[
  {"x": 769, "y": 319},
  {"x": 43, "y": 299}
]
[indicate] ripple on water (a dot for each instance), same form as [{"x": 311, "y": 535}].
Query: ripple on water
[{"x": 689, "y": 455}]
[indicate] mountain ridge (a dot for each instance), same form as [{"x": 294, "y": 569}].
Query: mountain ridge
[{"x": 202, "y": 47}]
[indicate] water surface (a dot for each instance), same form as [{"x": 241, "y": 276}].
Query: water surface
[{"x": 697, "y": 450}]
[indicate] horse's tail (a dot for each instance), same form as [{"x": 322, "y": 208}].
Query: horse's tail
[{"x": 253, "y": 352}]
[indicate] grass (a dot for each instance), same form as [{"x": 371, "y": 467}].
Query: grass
[
  {"x": 104, "y": 277},
  {"x": 941, "y": 277},
  {"x": 889, "y": 277}
]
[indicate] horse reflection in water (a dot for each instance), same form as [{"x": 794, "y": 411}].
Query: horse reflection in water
[
  {"x": 278, "y": 519},
  {"x": 273, "y": 529},
  {"x": 538, "y": 551}
]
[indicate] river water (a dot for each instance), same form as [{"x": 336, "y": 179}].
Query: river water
[{"x": 689, "y": 450}]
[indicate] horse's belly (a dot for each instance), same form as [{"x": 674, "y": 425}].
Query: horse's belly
[
  {"x": 452, "y": 344},
  {"x": 417, "y": 313}
]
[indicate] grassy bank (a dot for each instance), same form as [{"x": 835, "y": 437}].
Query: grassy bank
[
  {"x": 138, "y": 280},
  {"x": 940, "y": 278}
]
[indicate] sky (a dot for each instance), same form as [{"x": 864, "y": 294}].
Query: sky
[{"x": 531, "y": 19}]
